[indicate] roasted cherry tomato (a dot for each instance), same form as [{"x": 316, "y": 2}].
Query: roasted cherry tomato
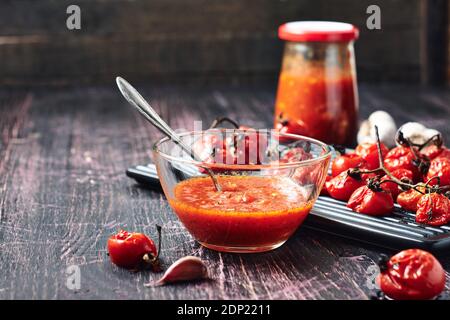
[
  {"x": 370, "y": 176},
  {"x": 445, "y": 153},
  {"x": 129, "y": 250},
  {"x": 412, "y": 274},
  {"x": 392, "y": 187},
  {"x": 210, "y": 147},
  {"x": 344, "y": 162},
  {"x": 324, "y": 191},
  {"x": 369, "y": 153},
  {"x": 408, "y": 199},
  {"x": 433, "y": 209},
  {"x": 289, "y": 126},
  {"x": 342, "y": 186},
  {"x": 439, "y": 167},
  {"x": 294, "y": 155},
  {"x": 249, "y": 146},
  {"x": 238, "y": 148},
  {"x": 371, "y": 202},
  {"x": 433, "y": 151},
  {"x": 401, "y": 158}
]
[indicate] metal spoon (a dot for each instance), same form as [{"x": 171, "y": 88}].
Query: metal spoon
[{"x": 137, "y": 101}]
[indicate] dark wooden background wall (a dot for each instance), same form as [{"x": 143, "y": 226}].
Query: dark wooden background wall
[{"x": 204, "y": 40}]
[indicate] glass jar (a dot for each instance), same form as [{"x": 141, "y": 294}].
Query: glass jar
[{"x": 317, "y": 91}]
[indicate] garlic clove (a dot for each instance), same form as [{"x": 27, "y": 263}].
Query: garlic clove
[
  {"x": 417, "y": 133},
  {"x": 386, "y": 129},
  {"x": 185, "y": 269}
]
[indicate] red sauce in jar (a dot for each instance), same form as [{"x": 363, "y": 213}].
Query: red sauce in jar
[
  {"x": 318, "y": 106},
  {"x": 250, "y": 212}
]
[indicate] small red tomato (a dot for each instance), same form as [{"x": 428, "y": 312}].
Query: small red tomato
[
  {"x": 373, "y": 175},
  {"x": 445, "y": 153},
  {"x": 212, "y": 149},
  {"x": 127, "y": 250},
  {"x": 439, "y": 167},
  {"x": 370, "y": 202},
  {"x": 433, "y": 151},
  {"x": 433, "y": 209},
  {"x": 408, "y": 199},
  {"x": 324, "y": 191},
  {"x": 401, "y": 158},
  {"x": 248, "y": 146},
  {"x": 392, "y": 187},
  {"x": 412, "y": 274},
  {"x": 342, "y": 186},
  {"x": 294, "y": 155},
  {"x": 345, "y": 162},
  {"x": 369, "y": 153},
  {"x": 290, "y": 127}
]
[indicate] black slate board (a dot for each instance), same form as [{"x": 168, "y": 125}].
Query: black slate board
[{"x": 396, "y": 231}]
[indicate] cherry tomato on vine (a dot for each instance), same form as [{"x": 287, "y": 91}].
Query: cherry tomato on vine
[
  {"x": 433, "y": 209},
  {"x": 392, "y": 187},
  {"x": 304, "y": 175},
  {"x": 434, "y": 151},
  {"x": 369, "y": 153},
  {"x": 412, "y": 274},
  {"x": 248, "y": 146},
  {"x": 408, "y": 199},
  {"x": 127, "y": 249},
  {"x": 401, "y": 158},
  {"x": 368, "y": 176},
  {"x": 209, "y": 147},
  {"x": 294, "y": 155},
  {"x": 244, "y": 147},
  {"x": 439, "y": 167},
  {"x": 324, "y": 191},
  {"x": 344, "y": 162},
  {"x": 290, "y": 127},
  {"x": 371, "y": 202},
  {"x": 445, "y": 153},
  {"x": 342, "y": 186}
]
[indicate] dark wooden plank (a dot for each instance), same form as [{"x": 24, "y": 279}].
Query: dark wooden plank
[
  {"x": 434, "y": 41},
  {"x": 194, "y": 18},
  {"x": 200, "y": 40},
  {"x": 63, "y": 191}
]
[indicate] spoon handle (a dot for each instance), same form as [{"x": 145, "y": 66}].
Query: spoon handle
[{"x": 137, "y": 101}]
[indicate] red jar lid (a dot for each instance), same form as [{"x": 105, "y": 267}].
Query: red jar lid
[{"x": 321, "y": 31}]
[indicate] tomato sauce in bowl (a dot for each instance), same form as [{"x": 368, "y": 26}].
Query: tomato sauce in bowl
[{"x": 250, "y": 214}]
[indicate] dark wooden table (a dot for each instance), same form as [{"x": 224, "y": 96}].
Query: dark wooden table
[{"x": 63, "y": 192}]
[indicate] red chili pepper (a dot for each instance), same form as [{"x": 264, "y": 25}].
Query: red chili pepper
[
  {"x": 371, "y": 202},
  {"x": 412, "y": 274}
]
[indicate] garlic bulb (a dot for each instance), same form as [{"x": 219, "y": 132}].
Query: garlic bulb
[
  {"x": 417, "y": 133},
  {"x": 386, "y": 129}
]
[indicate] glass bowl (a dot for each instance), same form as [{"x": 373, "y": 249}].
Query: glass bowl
[{"x": 269, "y": 182}]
